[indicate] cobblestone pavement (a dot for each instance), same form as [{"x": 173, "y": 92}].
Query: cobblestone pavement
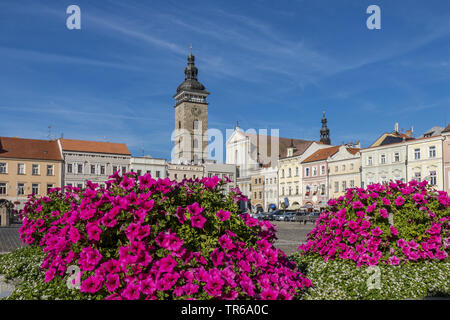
[
  {"x": 9, "y": 238},
  {"x": 291, "y": 235}
]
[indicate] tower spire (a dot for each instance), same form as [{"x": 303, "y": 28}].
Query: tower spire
[{"x": 324, "y": 131}]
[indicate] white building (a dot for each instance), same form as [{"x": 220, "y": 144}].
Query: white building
[
  {"x": 155, "y": 166},
  {"x": 270, "y": 175},
  {"x": 383, "y": 163}
]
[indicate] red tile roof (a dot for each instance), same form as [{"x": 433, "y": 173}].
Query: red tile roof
[
  {"x": 447, "y": 128},
  {"x": 322, "y": 154},
  {"x": 20, "y": 148},
  {"x": 94, "y": 146}
]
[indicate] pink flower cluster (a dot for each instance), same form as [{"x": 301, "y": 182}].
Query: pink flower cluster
[
  {"x": 141, "y": 238},
  {"x": 386, "y": 223}
]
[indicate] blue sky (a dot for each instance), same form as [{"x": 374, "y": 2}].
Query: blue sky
[{"x": 267, "y": 64}]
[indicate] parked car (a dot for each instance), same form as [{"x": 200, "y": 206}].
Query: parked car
[
  {"x": 284, "y": 215},
  {"x": 271, "y": 216}
]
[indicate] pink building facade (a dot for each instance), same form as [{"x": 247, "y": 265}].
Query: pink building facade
[
  {"x": 315, "y": 184},
  {"x": 315, "y": 178}
]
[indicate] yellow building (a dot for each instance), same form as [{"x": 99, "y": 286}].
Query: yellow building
[
  {"x": 28, "y": 166},
  {"x": 425, "y": 160},
  {"x": 344, "y": 171},
  {"x": 290, "y": 172}
]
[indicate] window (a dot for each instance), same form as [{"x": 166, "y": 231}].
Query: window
[
  {"x": 289, "y": 172},
  {"x": 352, "y": 183},
  {"x": 296, "y": 189},
  {"x": 322, "y": 170},
  {"x": 308, "y": 190},
  {"x": 433, "y": 178},
  {"x": 396, "y": 157},
  {"x": 176, "y": 176},
  {"x": 282, "y": 191},
  {"x": 35, "y": 188},
  {"x": 315, "y": 189},
  {"x": 80, "y": 168},
  {"x": 49, "y": 169},
  {"x": 124, "y": 169},
  {"x": 352, "y": 166},
  {"x": 115, "y": 169},
  {"x": 383, "y": 159},
  {"x": 282, "y": 173},
  {"x": 20, "y": 168},
  {"x": 260, "y": 195},
  {"x": 336, "y": 168},
  {"x": 432, "y": 150},
  {"x": 255, "y": 195},
  {"x": 195, "y": 124},
  {"x": 307, "y": 172},
  {"x": 195, "y": 143},
  {"x": 369, "y": 161},
  {"x": 102, "y": 170},
  {"x": 35, "y": 169},
  {"x": 296, "y": 171},
  {"x": 314, "y": 172},
  {"x": 2, "y": 188},
  {"x": 139, "y": 172},
  {"x": 417, "y": 176},
  {"x": 336, "y": 186},
  {"x": 322, "y": 189},
  {"x": 49, "y": 186},
  {"x": 20, "y": 189},
  {"x": 416, "y": 154},
  {"x": 69, "y": 168},
  {"x": 80, "y": 185},
  {"x": 344, "y": 185},
  {"x": 290, "y": 190},
  {"x": 3, "y": 167},
  {"x": 343, "y": 167}
]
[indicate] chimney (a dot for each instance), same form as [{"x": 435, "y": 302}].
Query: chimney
[
  {"x": 358, "y": 145},
  {"x": 408, "y": 133},
  {"x": 396, "y": 127}
]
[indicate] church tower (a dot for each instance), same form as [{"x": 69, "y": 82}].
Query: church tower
[
  {"x": 324, "y": 131},
  {"x": 191, "y": 117}
]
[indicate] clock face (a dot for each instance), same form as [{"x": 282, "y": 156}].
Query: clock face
[{"x": 196, "y": 111}]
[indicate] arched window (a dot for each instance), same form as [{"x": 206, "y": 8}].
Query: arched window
[
  {"x": 179, "y": 124},
  {"x": 195, "y": 143}
]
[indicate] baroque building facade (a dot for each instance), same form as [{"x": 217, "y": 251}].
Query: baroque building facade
[
  {"x": 344, "y": 170},
  {"x": 28, "y": 166},
  {"x": 92, "y": 161}
]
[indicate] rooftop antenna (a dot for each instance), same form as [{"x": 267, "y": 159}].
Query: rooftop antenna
[
  {"x": 190, "y": 47},
  {"x": 143, "y": 149},
  {"x": 49, "y": 136}
]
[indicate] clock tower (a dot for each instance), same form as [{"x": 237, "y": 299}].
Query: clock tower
[{"x": 191, "y": 117}]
